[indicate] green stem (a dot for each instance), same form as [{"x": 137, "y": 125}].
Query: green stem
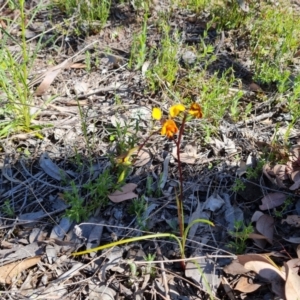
[
  {"x": 23, "y": 87},
  {"x": 150, "y": 236}
]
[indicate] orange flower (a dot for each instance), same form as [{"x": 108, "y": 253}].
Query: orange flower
[
  {"x": 169, "y": 128},
  {"x": 196, "y": 111},
  {"x": 176, "y": 109}
]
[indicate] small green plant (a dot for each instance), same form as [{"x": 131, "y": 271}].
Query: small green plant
[
  {"x": 240, "y": 234},
  {"x": 99, "y": 189},
  {"x": 228, "y": 15},
  {"x": 7, "y": 209},
  {"x": 138, "y": 51},
  {"x": 96, "y": 196},
  {"x": 150, "y": 269},
  {"x": 234, "y": 108},
  {"x": 88, "y": 61},
  {"x": 166, "y": 64},
  {"x": 293, "y": 106},
  {"x": 274, "y": 39},
  {"x": 195, "y": 5},
  {"x": 279, "y": 212},
  {"x": 141, "y": 4},
  {"x": 125, "y": 137},
  {"x": 77, "y": 212},
  {"x": 254, "y": 173},
  {"x": 14, "y": 78},
  {"x": 93, "y": 13},
  {"x": 238, "y": 185},
  {"x": 138, "y": 208}
]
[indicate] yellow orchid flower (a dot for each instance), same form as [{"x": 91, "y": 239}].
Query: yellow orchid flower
[
  {"x": 156, "y": 113},
  {"x": 176, "y": 109}
]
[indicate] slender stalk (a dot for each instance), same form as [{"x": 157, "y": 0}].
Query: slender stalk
[
  {"x": 22, "y": 86},
  {"x": 180, "y": 198},
  {"x": 178, "y": 158},
  {"x": 141, "y": 146}
]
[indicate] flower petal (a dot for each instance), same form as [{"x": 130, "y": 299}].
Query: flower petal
[
  {"x": 195, "y": 110},
  {"x": 176, "y": 109},
  {"x": 156, "y": 113},
  {"x": 169, "y": 128}
]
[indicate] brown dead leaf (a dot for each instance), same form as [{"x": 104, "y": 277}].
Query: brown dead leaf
[
  {"x": 9, "y": 271},
  {"x": 272, "y": 200},
  {"x": 50, "y": 75},
  {"x": 265, "y": 226},
  {"x": 256, "y": 236},
  {"x": 297, "y": 54},
  {"x": 256, "y": 216},
  {"x": 280, "y": 172},
  {"x": 143, "y": 157},
  {"x": 235, "y": 268},
  {"x": 292, "y": 286},
  {"x": 185, "y": 158},
  {"x": 78, "y": 66},
  {"x": 254, "y": 87},
  {"x": 295, "y": 176},
  {"x": 244, "y": 286},
  {"x": 189, "y": 155},
  {"x": 270, "y": 273},
  {"x": 268, "y": 172},
  {"x": 266, "y": 268},
  {"x": 125, "y": 193},
  {"x": 295, "y": 154}
]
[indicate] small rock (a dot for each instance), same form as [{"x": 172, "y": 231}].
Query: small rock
[{"x": 189, "y": 57}]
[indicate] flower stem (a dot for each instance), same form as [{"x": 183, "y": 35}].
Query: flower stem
[
  {"x": 180, "y": 198},
  {"x": 141, "y": 146}
]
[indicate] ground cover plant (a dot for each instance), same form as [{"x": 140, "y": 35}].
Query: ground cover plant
[{"x": 129, "y": 128}]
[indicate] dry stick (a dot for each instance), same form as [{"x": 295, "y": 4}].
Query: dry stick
[{"x": 163, "y": 271}]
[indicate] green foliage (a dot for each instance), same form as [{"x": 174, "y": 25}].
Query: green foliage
[
  {"x": 150, "y": 268},
  {"x": 215, "y": 96},
  {"x": 293, "y": 106},
  {"x": 138, "y": 51},
  {"x": 279, "y": 212},
  {"x": 99, "y": 189},
  {"x": 195, "y": 5},
  {"x": 166, "y": 64},
  {"x": 275, "y": 37},
  {"x": 228, "y": 15},
  {"x": 138, "y": 208},
  {"x": 77, "y": 212},
  {"x": 125, "y": 138},
  {"x": 7, "y": 209},
  {"x": 240, "y": 234},
  {"x": 254, "y": 173},
  {"x": 238, "y": 185},
  {"x": 96, "y": 196},
  {"x": 93, "y": 13},
  {"x": 14, "y": 77}
]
